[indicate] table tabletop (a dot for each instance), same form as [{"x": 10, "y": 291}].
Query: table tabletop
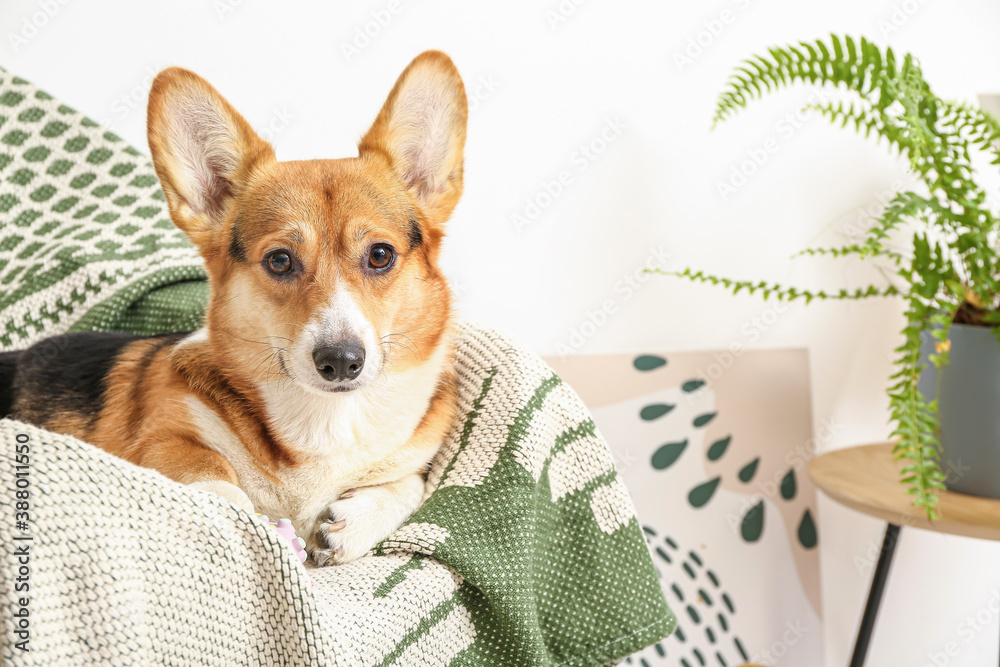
[{"x": 866, "y": 479}]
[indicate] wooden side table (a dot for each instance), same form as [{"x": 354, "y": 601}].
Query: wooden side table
[{"x": 867, "y": 479}]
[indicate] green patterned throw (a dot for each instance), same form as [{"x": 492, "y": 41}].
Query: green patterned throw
[
  {"x": 85, "y": 239},
  {"x": 526, "y": 551}
]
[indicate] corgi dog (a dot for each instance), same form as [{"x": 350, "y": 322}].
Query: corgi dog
[{"x": 322, "y": 383}]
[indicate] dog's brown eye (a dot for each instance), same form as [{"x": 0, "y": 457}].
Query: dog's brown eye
[
  {"x": 279, "y": 262},
  {"x": 380, "y": 256}
]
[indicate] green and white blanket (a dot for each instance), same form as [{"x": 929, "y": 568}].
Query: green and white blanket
[{"x": 526, "y": 551}]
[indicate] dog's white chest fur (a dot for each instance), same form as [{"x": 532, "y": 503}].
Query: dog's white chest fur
[{"x": 340, "y": 436}]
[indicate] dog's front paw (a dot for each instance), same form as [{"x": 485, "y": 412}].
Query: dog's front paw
[{"x": 361, "y": 518}]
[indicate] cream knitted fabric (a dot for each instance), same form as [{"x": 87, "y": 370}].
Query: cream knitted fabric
[{"x": 525, "y": 552}]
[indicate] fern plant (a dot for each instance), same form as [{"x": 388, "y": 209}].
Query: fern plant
[{"x": 948, "y": 270}]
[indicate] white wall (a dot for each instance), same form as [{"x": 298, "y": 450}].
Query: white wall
[{"x": 543, "y": 91}]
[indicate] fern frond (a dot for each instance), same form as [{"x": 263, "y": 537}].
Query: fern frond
[
  {"x": 857, "y": 67},
  {"x": 917, "y": 423},
  {"x": 862, "y": 251},
  {"x": 865, "y": 121},
  {"x": 902, "y": 207},
  {"x": 977, "y": 126},
  {"x": 779, "y": 292}
]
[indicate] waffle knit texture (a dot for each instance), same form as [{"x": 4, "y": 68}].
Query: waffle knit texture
[{"x": 526, "y": 550}]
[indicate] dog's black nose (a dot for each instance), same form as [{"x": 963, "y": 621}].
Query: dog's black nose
[{"x": 339, "y": 362}]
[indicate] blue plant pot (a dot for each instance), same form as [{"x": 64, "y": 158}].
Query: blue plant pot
[{"x": 969, "y": 409}]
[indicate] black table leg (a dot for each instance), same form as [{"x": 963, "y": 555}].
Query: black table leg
[{"x": 879, "y": 580}]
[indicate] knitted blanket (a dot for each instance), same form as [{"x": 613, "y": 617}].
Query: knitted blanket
[{"x": 526, "y": 550}]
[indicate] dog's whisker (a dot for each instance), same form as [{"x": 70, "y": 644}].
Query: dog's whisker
[{"x": 409, "y": 345}]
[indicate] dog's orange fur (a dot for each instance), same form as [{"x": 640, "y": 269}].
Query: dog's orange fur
[{"x": 237, "y": 203}]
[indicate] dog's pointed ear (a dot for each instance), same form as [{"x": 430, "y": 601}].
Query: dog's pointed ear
[
  {"x": 421, "y": 130},
  {"x": 203, "y": 151}
]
